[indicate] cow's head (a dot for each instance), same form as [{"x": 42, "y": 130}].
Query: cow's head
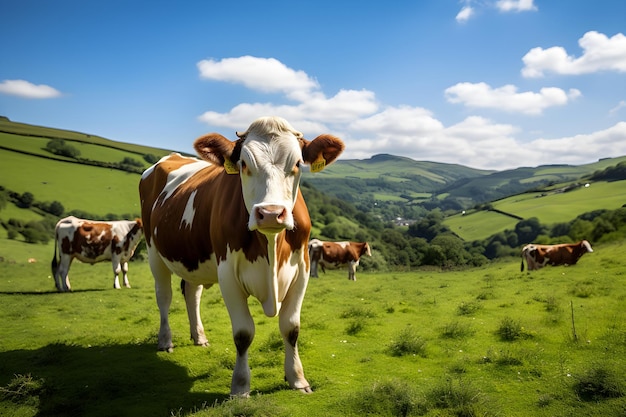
[
  {"x": 267, "y": 157},
  {"x": 366, "y": 250}
]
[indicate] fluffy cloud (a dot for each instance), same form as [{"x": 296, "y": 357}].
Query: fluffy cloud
[
  {"x": 481, "y": 95},
  {"x": 413, "y": 131},
  {"x": 266, "y": 75},
  {"x": 271, "y": 76},
  {"x": 515, "y": 5},
  {"x": 25, "y": 89},
  {"x": 600, "y": 53},
  {"x": 575, "y": 149}
]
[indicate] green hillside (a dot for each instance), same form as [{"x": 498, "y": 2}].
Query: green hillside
[
  {"x": 549, "y": 207},
  {"x": 386, "y": 200},
  {"x": 405, "y": 181}
]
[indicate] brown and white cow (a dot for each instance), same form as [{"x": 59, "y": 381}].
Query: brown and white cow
[
  {"x": 93, "y": 241},
  {"x": 538, "y": 256},
  {"x": 236, "y": 218},
  {"x": 337, "y": 253}
]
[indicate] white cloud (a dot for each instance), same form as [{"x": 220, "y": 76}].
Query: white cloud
[
  {"x": 25, "y": 89},
  {"x": 271, "y": 76},
  {"x": 600, "y": 53},
  {"x": 481, "y": 95},
  {"x": 582, "y": 148},
  {"x": 266, "y": 75},
  {"x": 515, "y": 5},
  {"x": 465, "y": 13}
]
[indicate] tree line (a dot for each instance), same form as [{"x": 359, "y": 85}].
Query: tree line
[{"x": 61, "y": 148}]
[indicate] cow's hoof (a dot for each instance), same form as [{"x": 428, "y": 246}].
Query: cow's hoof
[
  {"x": 305, "y": 390},
  {"x": 168, "y": 349}
]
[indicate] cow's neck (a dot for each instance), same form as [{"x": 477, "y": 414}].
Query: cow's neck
[{"x": 271, "y": 304}]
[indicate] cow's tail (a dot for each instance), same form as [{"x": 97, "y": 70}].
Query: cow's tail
[
  {"x": 522, "y": 266},
  {"x": 55, "y": 263}
]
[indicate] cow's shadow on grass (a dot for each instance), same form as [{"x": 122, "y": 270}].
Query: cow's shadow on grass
[
  {"x": 52, "y": 291},
  {"x": 109, "y": 380}
]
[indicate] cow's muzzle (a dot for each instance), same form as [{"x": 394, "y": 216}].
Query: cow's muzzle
[{"x": 271, "y": 218}]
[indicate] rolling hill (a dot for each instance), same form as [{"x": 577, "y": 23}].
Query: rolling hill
[
  {"x": 100, "y": 187},
  {"x": 403, "y": 180}
]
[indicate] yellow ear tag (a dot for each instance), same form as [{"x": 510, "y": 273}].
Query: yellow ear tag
[
  {"x": 319, "y": 164},
  {"x": 229, "y": 167}
]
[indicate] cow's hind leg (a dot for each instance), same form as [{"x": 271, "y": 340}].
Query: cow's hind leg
[
  {"x": 193, "y": 295},
  {"x": 163, "y": 290},
  {"x": 61, "y": 278}
]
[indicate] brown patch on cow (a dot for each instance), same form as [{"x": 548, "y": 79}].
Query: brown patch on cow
[
  {"x": 90, "y": 238},
  {"x": 335, "y": 253},
  {"x": 297, "y": 238}
]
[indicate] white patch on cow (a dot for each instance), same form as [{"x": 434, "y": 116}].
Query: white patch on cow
[
  {"x": 179, "y": 176},
  {"x": 148, "y": 171},
  {"x": 190, "y": 211}
]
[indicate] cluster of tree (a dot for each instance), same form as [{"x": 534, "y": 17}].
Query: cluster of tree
[
  {"x": 32, "y": 231},
  {"x": 60, "y": 147},
  {"x": 128, "y": 164},
  {"x": 612, "y": 173}
]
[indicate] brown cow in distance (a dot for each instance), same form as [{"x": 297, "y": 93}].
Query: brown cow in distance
[
  {"x": 538, "y": 256},
  {"x": 337, "y": 253}
]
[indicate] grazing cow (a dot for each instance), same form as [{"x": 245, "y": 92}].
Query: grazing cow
[
  {"x": 236, "y": 218},
  {"x": 338, "y": 253},
  {"x": 92, "y": 241},
  {"x": 538, "y": 256}
]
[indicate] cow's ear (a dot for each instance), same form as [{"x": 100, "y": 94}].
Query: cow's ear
[
  {"x": 321, "y": 151},
  {"x": 214, "y": 148}
]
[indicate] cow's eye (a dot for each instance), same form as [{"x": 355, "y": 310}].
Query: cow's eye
[{"x": 244, "y": 167}]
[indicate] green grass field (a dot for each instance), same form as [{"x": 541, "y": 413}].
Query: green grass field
[
  {"x": 92, "y": 189},
  {"x": 489, "y": 341},
  {"x": 548, "y": 207},
  {"x": 563, "y": 207}
]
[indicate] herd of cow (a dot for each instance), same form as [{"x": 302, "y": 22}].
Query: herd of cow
[{"x": 235, "y": 218}]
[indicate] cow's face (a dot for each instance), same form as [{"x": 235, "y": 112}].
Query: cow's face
[
  {"x": 268, "y": 158},
  {"x": 270, "y": 173}
]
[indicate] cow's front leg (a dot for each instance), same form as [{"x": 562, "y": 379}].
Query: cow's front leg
[
  {"x": 193, "y": 295},
  {"x": 289, "y": 321},
  {"x": 243, "y": 334},
  {"x": 117, "y": 268}
]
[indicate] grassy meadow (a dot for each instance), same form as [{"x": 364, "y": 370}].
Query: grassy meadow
[
  {"x": 548, "y": 207},
  {"x": 491, "y": 341}
]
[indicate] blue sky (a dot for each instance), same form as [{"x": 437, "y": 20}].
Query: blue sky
[{"x": 491, "y": 84}]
